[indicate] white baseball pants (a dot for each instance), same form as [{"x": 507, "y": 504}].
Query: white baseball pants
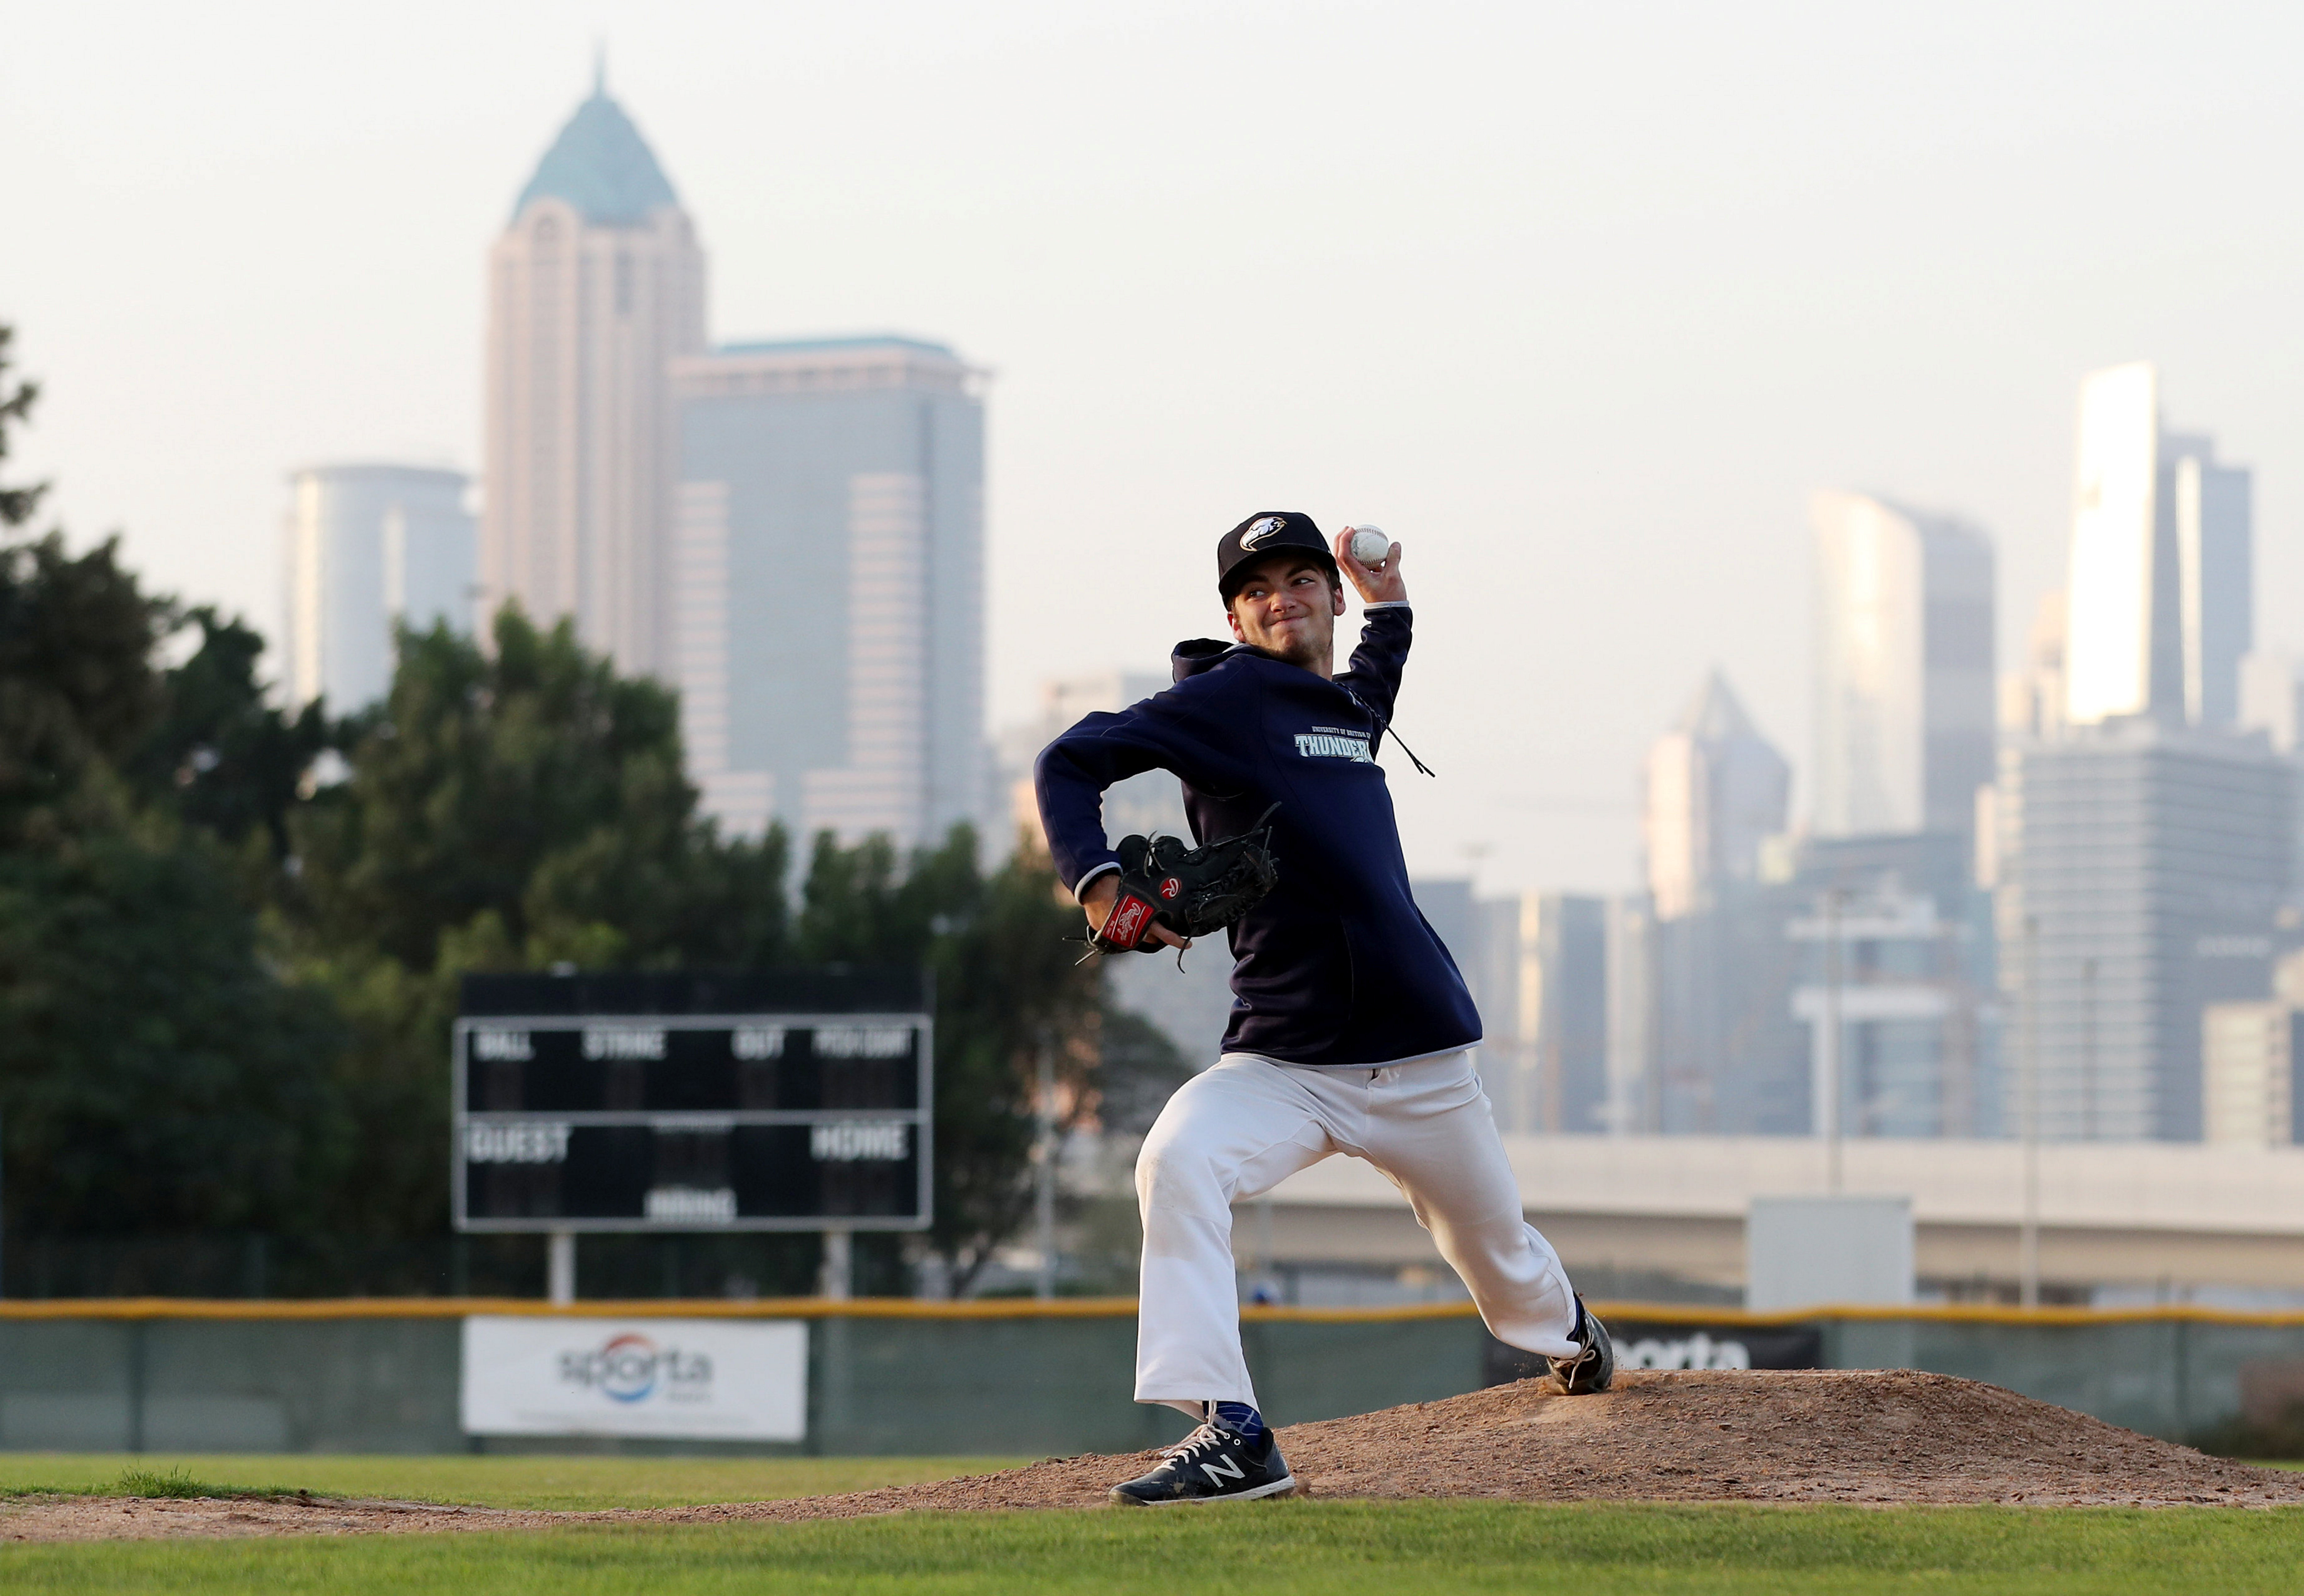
[{"x": 1247, "y": 1125}]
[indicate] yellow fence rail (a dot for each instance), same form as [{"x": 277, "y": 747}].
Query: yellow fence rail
[{"x": 1087, "y": 1307}]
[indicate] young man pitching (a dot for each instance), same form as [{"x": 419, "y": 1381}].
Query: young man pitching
[{"x": 1351, "y": 1026}]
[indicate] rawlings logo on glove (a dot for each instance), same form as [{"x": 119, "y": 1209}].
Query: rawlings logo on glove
[{"x": 1193, "y": 893}]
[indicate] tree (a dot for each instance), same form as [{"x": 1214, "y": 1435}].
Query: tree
[
  {"x": 17, "y": 504},
  {"x": 77, "y": 688},
  {"x": 154, "y": 1073},
  {"x": 530, "y": 801},
  {"x": 216, "y": 753},
  {"x": 510, "y": 808},
  {"x": 1008, "y": 985}
]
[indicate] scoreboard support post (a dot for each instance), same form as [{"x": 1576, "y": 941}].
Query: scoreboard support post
[
  {"x": 559, "y": 1267},
  {"x": 837, "y": 1279}
]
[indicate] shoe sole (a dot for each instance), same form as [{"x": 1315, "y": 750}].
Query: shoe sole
[{"x": 1286, "y": 1487}]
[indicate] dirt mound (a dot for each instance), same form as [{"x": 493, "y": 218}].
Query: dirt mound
[
  {"x": 1755, "y": 1435},
  {"x": 1750, "y": 1435}
]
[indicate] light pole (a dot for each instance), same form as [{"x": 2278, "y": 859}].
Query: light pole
[
  {"x": 1832, "y": 1082},
  {"x": 2028, "y": 1247},
  {"x": 1043, "y": 1195},
  {"x": 2088, "y": 1048}
]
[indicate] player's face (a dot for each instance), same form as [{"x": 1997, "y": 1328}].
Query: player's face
[{"x": 1287, "y": 607}]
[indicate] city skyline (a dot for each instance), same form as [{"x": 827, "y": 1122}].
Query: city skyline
[{"x": 1481, "y": 422}]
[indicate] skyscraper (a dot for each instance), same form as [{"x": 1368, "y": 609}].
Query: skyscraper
[
  {"x": 370, "y": 545},
  {"x": 1904, "y": 668},
  {"x": 1563, "y": 1010},
  {"x": 826, "y": 589},
  {"x": 2148, "y": 868},
  {"x": 1714, "y": 967},
  {"x": 1538, "y": 967},
  {"x": 1716, "y": 789},
  {"x": 595, "y": 285},
  {"x": 2161, "y": 567},
  {"x": 1895, "y": 986}
]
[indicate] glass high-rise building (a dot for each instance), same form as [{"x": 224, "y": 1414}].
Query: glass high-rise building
[
  {"x": 2161, "y": 605},
  {"x": 825, "y": 589},
  {"x": 370, "y": 546},
  {"x": 2148, "y": 867},
  {"x": 1904, "y": 684},
  {"x": 1716, "y": 789}
]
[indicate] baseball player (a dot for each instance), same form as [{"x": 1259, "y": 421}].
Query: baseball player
[{"x": 1352, "y": 1028}]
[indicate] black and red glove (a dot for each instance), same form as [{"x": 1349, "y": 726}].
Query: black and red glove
[{"x": 1193, "y": 893}]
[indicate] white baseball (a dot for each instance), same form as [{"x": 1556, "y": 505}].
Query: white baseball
[{"x": 1370, "y": 545}]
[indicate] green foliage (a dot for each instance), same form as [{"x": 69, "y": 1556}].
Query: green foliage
[
  {"x": 216, "y": 752},
  {"x": 154, "y": 1075},
  {"x": 533, "y": 784},
  {"x": 17, "y": 504},
  {"x": 1008, "y": 985},
  {"x": 77, "y": 689},
  {"x": 173, "y": 1484},
  {"x": 513, "y": 808},
  {"x": 1138, "y": 1069}
]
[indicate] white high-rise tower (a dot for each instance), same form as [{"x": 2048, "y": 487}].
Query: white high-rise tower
[
  {"x": 1904, "y": 668},
  {"x": 594, "y": 288},
  {"x": 370, "y": 547},
  {"x": 2162, "y": 563}
]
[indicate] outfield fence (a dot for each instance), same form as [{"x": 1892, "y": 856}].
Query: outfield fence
[{"x": 904, "y": 1376}]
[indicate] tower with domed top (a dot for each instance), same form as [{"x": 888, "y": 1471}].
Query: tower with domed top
[{"x": 595, "y": 285}]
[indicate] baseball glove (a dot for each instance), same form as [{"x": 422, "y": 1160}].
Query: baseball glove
[{"x": 1193, "y": 893}]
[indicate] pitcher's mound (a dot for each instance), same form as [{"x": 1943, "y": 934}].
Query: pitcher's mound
[{"x": 1748, "y": 1435}]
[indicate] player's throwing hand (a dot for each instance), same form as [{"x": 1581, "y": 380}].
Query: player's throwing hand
[{"x": 1378, "y": 580}]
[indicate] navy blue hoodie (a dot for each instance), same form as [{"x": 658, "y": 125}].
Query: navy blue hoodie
[{"x": 1336, "y": 966}]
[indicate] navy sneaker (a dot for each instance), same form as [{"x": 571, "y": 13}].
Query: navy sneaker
[
  {"x": 1592, "y": 1366},
  {"x": 1212, "y": 1464}
]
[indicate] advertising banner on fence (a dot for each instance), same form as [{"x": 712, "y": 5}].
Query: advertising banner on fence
[
  {"x": 674, "y": 1379},
  {"x": 1646, "y": 1345}
]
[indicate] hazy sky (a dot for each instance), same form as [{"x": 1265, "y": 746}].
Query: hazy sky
[{"x": 1577, "y": 301}]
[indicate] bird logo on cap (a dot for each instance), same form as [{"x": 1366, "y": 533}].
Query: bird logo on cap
[{"x": 1255, "y": 535}]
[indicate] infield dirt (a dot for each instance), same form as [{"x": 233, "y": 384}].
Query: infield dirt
[{"x": 1754, "y": 1436}]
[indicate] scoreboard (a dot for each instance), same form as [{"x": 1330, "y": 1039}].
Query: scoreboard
[{"x": 674, "y": 1102}]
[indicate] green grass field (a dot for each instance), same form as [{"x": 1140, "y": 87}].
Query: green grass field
[
  {"x": 503, "y": 1482},
  {"x": 1279, "y": 1549}
]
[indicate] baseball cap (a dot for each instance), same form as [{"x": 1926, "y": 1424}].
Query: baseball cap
[{"x": 1268, "y": 532}]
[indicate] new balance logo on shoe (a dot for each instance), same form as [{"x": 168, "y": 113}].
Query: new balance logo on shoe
[{"x": 1211, "y": 1464}]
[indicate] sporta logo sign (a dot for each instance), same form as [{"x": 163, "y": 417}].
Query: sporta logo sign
[
  {"x": 700, "y": 1379},
  {"x": 632, "y": 1368}
]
